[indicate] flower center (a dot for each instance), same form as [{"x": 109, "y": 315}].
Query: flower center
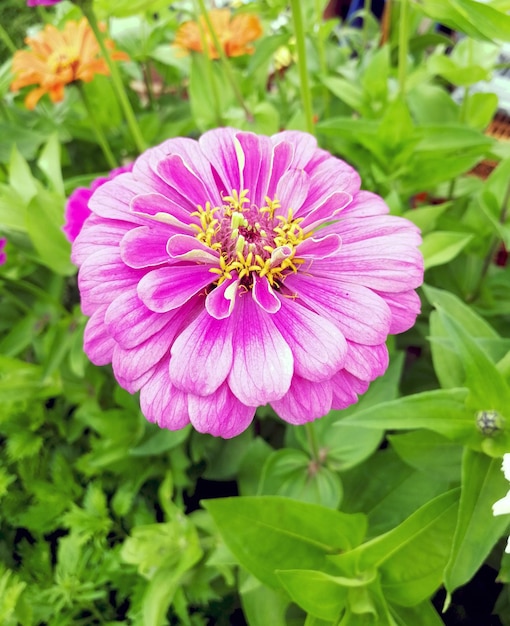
[
  {"x": 63, "y": 59},
  {"x": 250, "y": 238}
]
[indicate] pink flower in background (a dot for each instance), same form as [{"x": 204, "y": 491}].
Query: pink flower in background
[
  {"x": 3, "y": 256},
  {"x": 240, "y": 270},
  {"x": 77, "y": 210},
  {"x": 44, "y": 3}
]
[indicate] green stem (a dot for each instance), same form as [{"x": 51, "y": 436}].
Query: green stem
[
  {"x": 209, "y": 67},
  {"x": 299, "y": 33},
  {"x": 403, "y": 44},
  {"x": 96, "y": 127},
  {"x": 224, "y": 61},
  {"x": 5, "y": 37},
  {"x": 322, "y": 56},
  {"x": 117, "y": 83},
  {"x": 495, "y": 242},
  {"x": 312, "y": 441}
]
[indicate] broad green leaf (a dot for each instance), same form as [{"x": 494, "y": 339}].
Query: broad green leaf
[
  {"x": 374, "y": 80},
  {"x": 432, "y": 105},
  {"x": 262, "y": 605},
  {"x": 426, "y": 217},
  {"x": 447, "y": 68},
  {"x": 480, "y": 109},
  {"x": 478, "y": 530},
  {"x": 451, "y": 138},
  {"x": 44, "y": 218},
  {"x": 318, "y": 593},
  {"x": 20, "y": 380},
  {"x": 12, "y": 209},
  {"x": 293, "y": 474},
  {"x": 477, "y": 20},
  {"x": 20, "y": 177},
  {"x": 394, "y": 550},
  {"x": 126, "y": 8},
  {"x": 251, "y": 467},
  {"x": 224, "y": 463},
  {"x": 422, "y": 615},
  {"x": 346, "y": 91},
  {"x": 429, "y": 452},
  {"x": 415, "y": 571},
  {"x": 440, "y": 247},
  {"x": 347, "y": 446},
  {"x": 159, "y": 441},
  {"x": 488, "y": 388},
  {"x": 442, "y": 411},
  {"x": 49, "y": 163},
  {"x": 269, "y": 533},
  {"x": 388, "y": 490},
  {"x": 447, "y": 360}
]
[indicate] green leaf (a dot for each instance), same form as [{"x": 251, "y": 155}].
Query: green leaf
[
  {"x": 446, "y": 357},
  {"x": 160, "y": 440},
  {"x": 488, "y": 388},
  {"x": 429, "y": 452},
  {"x": 426, "y": 217},
  {"x": 12, "y": 209},
  {"x": 262, "y": 605},
  {"x": 442, "y": 411},
  {"x": 447, "y": 68},
  {"x": 388, "y": 490},
  {"x": 480, "y": 109},
  {"x": 346, "y": 91},
  {"x": 422, "y": 615},
  {"x": 20, "y": 177},
  {"x": 394, "y": 550},
  {"x": 441, "y": 247},
  {"x": 318, "y": 593},
  {"x": 477, "y": 20},
  {"x": 291, "y": 473},
  {"x": 44, "y": 218},
  {"x": 127, "y": 8},
  {"x": 49, "y": 163},
  {"x": 478, "y": 530},
  {"x": 269, "y": 533}
]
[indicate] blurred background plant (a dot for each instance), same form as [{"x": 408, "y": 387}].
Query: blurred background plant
[{"x": 386, "y": 517}]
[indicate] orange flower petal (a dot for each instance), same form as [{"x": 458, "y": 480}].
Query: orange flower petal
[{"x": 57, "y": 58}]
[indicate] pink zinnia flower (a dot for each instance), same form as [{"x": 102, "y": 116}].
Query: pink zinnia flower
[
  {"x": 77, "y": 210},
  {"x": 239, "y": 270},
  {"x": 3, "y": 256}
]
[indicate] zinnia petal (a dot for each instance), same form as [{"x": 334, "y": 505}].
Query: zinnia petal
[{"x": 239, "y": 270}]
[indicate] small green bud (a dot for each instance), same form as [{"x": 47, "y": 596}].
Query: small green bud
[{"x": 489, "y": 423}]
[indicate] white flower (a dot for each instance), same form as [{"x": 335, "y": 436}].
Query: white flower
[{"x": 502, "y": 507}]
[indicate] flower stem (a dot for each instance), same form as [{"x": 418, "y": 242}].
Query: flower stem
[
  {"x": 9, "y": 43},
  {"x": 323, "y": 64},
  {"x": 96, "y": 127},
  {"x": 223, "y": 58},
  {"x": 494, "y": 244},
  {"x": 403, "y": 44},
  {"x": 311, "y": 435},
  {"x": 299, "y": 33},
  {"x": 209, "y": 67},
  {"x": 117, "y": 83}
]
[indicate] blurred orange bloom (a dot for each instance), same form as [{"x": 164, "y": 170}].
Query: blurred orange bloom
[
  {"x": 234, "y": 34},
  {"x": 58, "y": 58}
]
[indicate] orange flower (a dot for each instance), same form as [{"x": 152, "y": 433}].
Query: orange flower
[
  {"x": 58, "y": 58},
  {"x": 234, "y": 34}
]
